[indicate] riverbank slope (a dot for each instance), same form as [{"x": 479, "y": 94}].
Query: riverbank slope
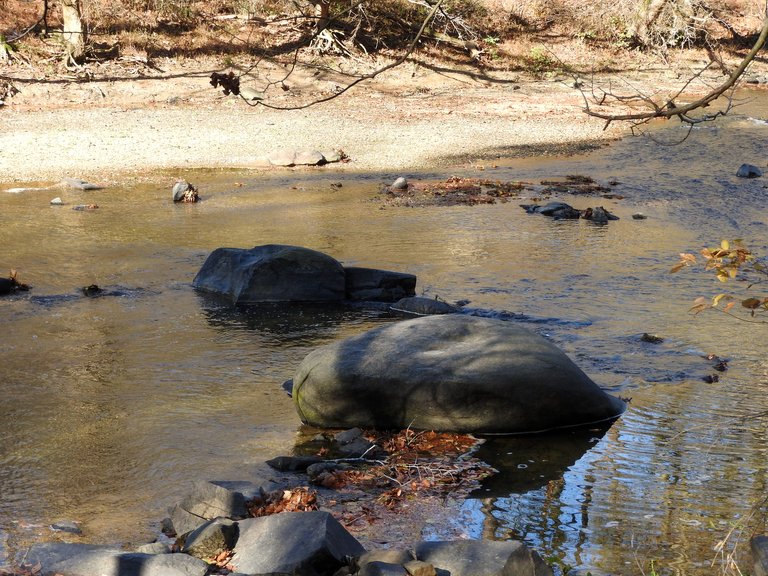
[{"x": 125, "y": 121}]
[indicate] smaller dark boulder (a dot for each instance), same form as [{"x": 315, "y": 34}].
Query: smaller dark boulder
[
  {"x": 749, "y": 171},
  {"x": 378, "y": 285},
  {"x": 272, "y": 273},
  {"x": 11, "y": 284},
  {"x": 557, "y": 210},
  {"x": 598, "y": 215}
]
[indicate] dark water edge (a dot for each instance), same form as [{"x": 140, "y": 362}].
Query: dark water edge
[{"x": 111, "y": 406}]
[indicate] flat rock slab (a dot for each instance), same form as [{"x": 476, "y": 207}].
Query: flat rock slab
[
  {"x": 296, "y": 158},
  {"x": 448, "y": 373}
]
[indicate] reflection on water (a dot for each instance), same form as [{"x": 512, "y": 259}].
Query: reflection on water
[{"x": 111, "y": 406}]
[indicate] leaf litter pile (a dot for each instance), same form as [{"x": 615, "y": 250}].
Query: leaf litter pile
[
  {"x": 420, "y": 471},
  {"x": 457, "y": 191}
]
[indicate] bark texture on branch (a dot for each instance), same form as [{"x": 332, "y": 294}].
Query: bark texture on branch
[
  {"x": 74, "y": 30},
  {"x": 323, "y": 14}
]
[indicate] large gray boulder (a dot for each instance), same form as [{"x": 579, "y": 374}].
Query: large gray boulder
[
  {"x": 450, "y": 373},
  {"x": 272, "y": 273},
  {"x": 293, "y": 543},
  {"x": 63, "y": 559}
]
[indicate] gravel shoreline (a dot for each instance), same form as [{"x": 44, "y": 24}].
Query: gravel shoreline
[{"x": 125, "y": 130}]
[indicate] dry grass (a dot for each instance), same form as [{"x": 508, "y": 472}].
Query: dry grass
[{"x": 535, "y": 36}]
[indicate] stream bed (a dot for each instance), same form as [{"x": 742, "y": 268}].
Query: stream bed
[{"x": 111, "y": 406}]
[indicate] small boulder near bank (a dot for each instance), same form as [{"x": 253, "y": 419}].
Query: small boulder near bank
[
  {"x": 448, "y": 373},
  {"x": 293, "y": 543},
  {"x": 185, "y": 193},
  {"x": 272, "y": 273},
  {"x": 749, "y": 171}
]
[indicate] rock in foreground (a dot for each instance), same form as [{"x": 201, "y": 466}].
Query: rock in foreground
[{"x": 448, "y": 373}]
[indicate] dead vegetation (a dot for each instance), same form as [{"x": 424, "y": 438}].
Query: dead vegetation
[
  {"x": 463, "y": 191},
  {"x": 493, "y": 34},
  {"x": 423, "y": 465}
]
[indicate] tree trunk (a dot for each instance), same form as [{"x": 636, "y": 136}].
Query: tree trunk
[
  {"x": 74, "y": 30},
  {"x": 646, "y": 19},
  {"x": 323, "y": 14}
]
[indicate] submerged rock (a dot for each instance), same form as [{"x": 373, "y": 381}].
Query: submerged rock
[
  {"x": 563, "y": 211},
  {"x": 423, "y": 306},
  {"x": 448, "y": 373}
]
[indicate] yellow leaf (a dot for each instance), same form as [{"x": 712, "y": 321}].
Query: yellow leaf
[
  {"x": 725, "y": 245},
  {"x": 716, "y": 299}
]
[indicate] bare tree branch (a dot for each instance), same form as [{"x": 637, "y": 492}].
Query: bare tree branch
[
  {"x": 231, "y": 83},
  {"x": 670, "y": 108},
  {"x": 370, "y": 76}
]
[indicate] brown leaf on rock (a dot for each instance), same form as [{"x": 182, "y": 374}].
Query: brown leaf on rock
[{"x": 295, "y": 500}]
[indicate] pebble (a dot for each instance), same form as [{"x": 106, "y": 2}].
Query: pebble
[
  {"x": 400, "y": 184},
  {"x": 66, "y": 526},
  {"x": 57, "y": 201}
]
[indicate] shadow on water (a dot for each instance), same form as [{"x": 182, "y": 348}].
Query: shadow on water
[
  {"x": 530, "y": 462},
  {"x": 307, "y": 322}
]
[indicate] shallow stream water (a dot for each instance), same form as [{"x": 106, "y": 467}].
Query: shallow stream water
[{"x": 111, "y": 406}]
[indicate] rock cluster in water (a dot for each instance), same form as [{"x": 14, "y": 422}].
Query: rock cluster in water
[
  {"x": 218, "y": 531},
  {"x": 563, "y": 211}
]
